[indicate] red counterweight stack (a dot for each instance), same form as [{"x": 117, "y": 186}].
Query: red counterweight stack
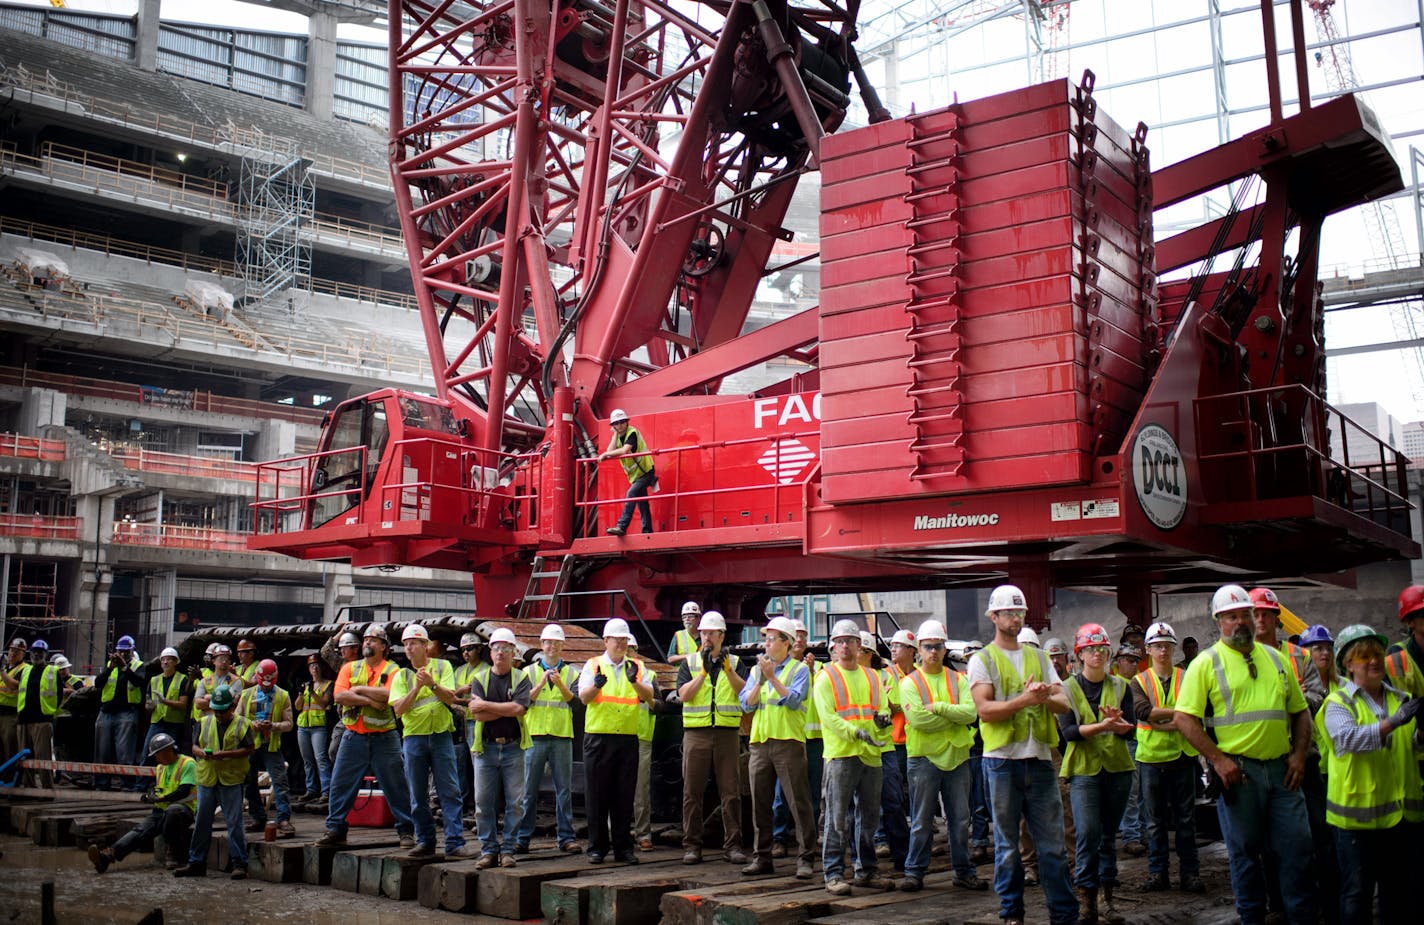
[{"x": 988, "y": 299}]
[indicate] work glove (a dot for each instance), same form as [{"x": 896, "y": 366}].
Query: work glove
[
  {"x": 600, "y": 679},
  {"x": 882, "y": 721},
  {"x": 549, "y": 679},
  {"x": 867, "y": 738},
  {"x": 631, "y": 667},
  {"x": 1406, "y": 711},
  {"x": 707, "y": 657},
  {"x": 147, "y": 796}
]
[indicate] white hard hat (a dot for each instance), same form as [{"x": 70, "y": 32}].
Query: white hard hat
[
  {"x": 845, "y": 628},
  {"x": 169, "y": 652},
  {"x": 691, "y": 607},
  {"x": 1230, "y": 597},
  {"x": 903, "y": 638},
  {"x": 377, "y": 631},
  {"x": 471, "y": 639},
  {"x": 503, "y": 635},
  {"x": 617, "y": 628},
  {"x": 212, "y": 648},
  {"x": 1006, "y": 597},
  {"x": 1055, "y": 646},
  {"x": 552, "y": 631},
  {"x": 59, "y": 661},
  {"x": 867, "y": 640},
  {"x": 782, "y": 625},
  {"x": 1161, "y": 632},
  {"x": 800, "y": 627},
  {"x": 618, "y": 415},
  {"x": 712, "y": 620},
  {"x": 348, "y": 639},
  {"x": 1027, "y": 637},
  {"x": 932, "y": 631},
  {"x": 415, "y": 631}
]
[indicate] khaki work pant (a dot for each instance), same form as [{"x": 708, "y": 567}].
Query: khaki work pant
[
  {"x": 643, "y": 799},
  {"x": 705, "y": 752},
  {"x": 39, "y": 739},
  {"x": 781, "y": 760},
  {"x": 9, "y": 737}
]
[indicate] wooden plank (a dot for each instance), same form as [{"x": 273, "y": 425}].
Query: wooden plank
[
  {"x": 629, "y": 896},
  {"x": 400, "y": 876},
  {"x": 276, "y": 861},
  {"x": 515, "y": 892},
  {"x": 346, "y": 868},
  {"x": 318, "y": 861},
  {"x": 427, "y": 886},
  {"x": 459, "y": 887}
]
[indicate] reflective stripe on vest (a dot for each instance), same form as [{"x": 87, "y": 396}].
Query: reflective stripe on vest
[
  {"x": 633, "y": 466},
  {"x": 1090, "y": 755},
  {"x": 1229, "y": 716},
  {"x": 770, "y": 720},
  {"x": 309, "y": 713},
  {"x": 170, "y": 777},
  {"x": 162, "y": 712},
  {"x": 49, "y": 690},
  {"x": 549, "y": 713},
  {"x": 376, "y": 719},
  {"x": 1372, "y": 790},
  {"x": 614, "y": 709},
  {"x": 1157, "y": 744},
  {"x": 1030, "y": 721},
  {"x": 248, "y": 707},
  {"x": 850, "y": 712},
  {"x": 134, "y": 694},
  {"x": 225, "y": 771},
  {"x": 927, "y": 695}
]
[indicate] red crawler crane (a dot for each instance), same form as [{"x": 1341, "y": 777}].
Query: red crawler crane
[{"x": 993, "y": 385}]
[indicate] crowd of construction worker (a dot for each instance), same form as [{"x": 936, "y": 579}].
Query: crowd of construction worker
[{"x": 1038, "y": 760}]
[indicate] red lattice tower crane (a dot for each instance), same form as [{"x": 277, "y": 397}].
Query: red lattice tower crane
[{"x": 992, "y": 387}]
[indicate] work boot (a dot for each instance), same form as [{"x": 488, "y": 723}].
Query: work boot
[
  {"x": 874, "y": 882},
  {"x": 254, "y": 826},
  {"x": 644, "y": 844},
  {"x": 191, "y": 870},
  {"x": 1031, "y": 876},
  {"x": 521, "y": 847},
  {"x": 508, "y": 861},
  {"x": 407, "y": 840},
  {"x": 804, "y": 871},
  {"x": 1156, "y": 883},
  {"x": 239, "y": 873},
  {"x": 838, "y": 887},
  {"x": 1089, "y": 915},
  {"x": 332, "y": 839},
  {"x": 778, "y": 850},
  {"x": 285, "y": 829},
  {"x": 1193, "y": 884},
  {"x": 421, "y": 851},
  {"x": 911, "y": 884},
  {"x": 486, "y": 861},
  {"x": 971, "y": 882},
  {"x": 1135, "y": 848},
  {"x": 101, "y": 858},
  {"x": 736, "y": 856},
  {"x": 625, "y": 857},
  {"x": 1109, "y": 911},
  {"x": 758, "y": 867},
  {"x": 616, "y": 530},
  {"x": 464, "y": 851},
  {"x": 882, "y": 851},
  {"x": 692, "y": 856}
]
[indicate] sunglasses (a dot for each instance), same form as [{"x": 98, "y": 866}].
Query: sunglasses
[
  {"x": 1093, "y": 650},
  {"x": 932, "y": 646}
]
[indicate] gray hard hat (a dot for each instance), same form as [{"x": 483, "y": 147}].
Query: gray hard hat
[
  {"x": 160, "y": 742},
  {"x": 349, "y": 639}
]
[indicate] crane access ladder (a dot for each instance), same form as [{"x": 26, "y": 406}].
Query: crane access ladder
[{"x": 548, "y": 580}]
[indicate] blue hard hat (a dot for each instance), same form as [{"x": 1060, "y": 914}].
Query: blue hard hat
[
  {"x": 39, "y": 644},
  {"x": 1314, "y": 634},
  {"x": 124, "y": 644}
]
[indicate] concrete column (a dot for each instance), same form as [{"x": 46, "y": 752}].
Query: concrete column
[
  {"x": 338, "y": 592},
  {"x": 275, "y": 440},
  {"x": 160, "y": 589},
  {"x": 146, "y": 48},
  {"x": 321, "y": 64},
  {"x": 41, "y": 408},
  {"x": 1416, "y": 525},
  {"x": 93, "y": 576}
]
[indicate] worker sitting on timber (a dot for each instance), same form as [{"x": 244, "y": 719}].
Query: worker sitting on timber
[
  {"x": 631, "y": 451},
  {"x": 174, "y": 797}
]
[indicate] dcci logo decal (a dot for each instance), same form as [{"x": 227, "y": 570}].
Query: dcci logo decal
[
  {"x": 1158, "y": 477},
  {"x": 955, "y": 521}
]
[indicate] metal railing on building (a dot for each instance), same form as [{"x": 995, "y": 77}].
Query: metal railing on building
[{"x": 40, "y": 526}]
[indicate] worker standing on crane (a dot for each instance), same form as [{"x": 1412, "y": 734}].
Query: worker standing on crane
[
  {"x": 939, "y": 727},
  {"x": 684, "y": 641},
  {"x": 851, "y": 702},
  {"x": 1098, "y": 768},
  {"x": 1016, "y": 691},
  {"x": 371, "y": 742},
  {"x": 776, "y": 695},
  {"x": 550, "y": 721},
  {"x": 1374, "y": 784},
  {"x": 631, "y": 451},
  {"x": 1167, "y": 766},
  {"x": 708, "y": 687},
  {"x": 611, "y": 687},
  {"x": 1262, "y": 730}
]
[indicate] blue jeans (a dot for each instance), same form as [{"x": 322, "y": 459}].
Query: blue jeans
[
  {"x": 1134, "y": 820},
  {"x": 1260, "y": 816},
  {"x": 783, "y": 827},
  {"x": 1098, "y": 802},
  {"x": 115, "y": 742},
  {"x": 499, "y": 775},
  {"x": 379, "y": 752},
  {"x": 1027, "y": 789},
  {"x": 209, "y": 799},
  {"x": 275, "y": 764},
  {"x": 847, "y": 779},
  {"x": 929, "y": 786},
  {"x": 558, "y": 754},
  {"x": 980, "y": 833},
  {"x": 1369, "y": 859},
  {"x": 312, "y": 740},
  {"x": 637, "y": 495},
  {"x": 894, "y": 825},
  {"x": 425, "y": 756},
  {"x": 1169, "y": 795}
]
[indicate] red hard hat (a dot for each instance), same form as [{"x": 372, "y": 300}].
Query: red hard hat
[
  {"x": 1090, "y": 634},
  {"x": 1265, "y": 599},
  {"x": 1411, "y": 601},
  {"x": 267, "y": 670}
]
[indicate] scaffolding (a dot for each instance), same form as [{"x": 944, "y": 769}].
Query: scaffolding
[{"x": 275, "y": 202}]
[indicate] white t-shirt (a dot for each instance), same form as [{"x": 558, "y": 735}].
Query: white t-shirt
[{"x": 979, "y": 674}]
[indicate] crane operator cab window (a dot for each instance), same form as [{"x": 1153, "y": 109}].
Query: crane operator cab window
[{"x": 338, "y": 481}]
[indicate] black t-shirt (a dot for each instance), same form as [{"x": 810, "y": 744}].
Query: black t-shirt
[
  {"x": 1093, "y": 693},
  {"x": 497, "y": 690},
  {"x": 33, "y": 711}
]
